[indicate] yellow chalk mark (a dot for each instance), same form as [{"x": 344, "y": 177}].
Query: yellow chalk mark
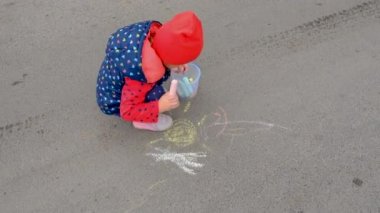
[
  {"x": 187, "y": 107},
  {"x": 140, "y": 202},
  {"x": 206, "y": 147},
  {"x": 138, "y": 205},
  {"x": 156, "y": 184},
  {"x": 155, "y": 141},
  {"x": 233, "y": 134},
  {"x": 183, "y": 133},
  {"x": 200, "y": 123}
]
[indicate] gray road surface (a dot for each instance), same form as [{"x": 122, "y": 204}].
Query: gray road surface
[{"x": 287, "y": 118}]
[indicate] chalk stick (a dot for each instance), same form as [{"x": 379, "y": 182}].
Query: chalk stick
[
  {"x": 179, "y": 91},
  {"x": 184, "y": 89},
  {"x": 188, "y": 85},
  {"x": 173, "y": 87}
]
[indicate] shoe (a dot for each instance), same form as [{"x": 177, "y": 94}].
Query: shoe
[{"x": 164, "y": 122}]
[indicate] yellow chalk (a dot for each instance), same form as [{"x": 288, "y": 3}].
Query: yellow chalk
[{"x": 183, "y": 133}]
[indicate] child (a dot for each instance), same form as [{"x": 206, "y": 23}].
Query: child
[{"x": 138, "y": 60}]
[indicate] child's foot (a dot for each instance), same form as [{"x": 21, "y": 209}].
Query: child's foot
[{"x": 164, "y": 123}]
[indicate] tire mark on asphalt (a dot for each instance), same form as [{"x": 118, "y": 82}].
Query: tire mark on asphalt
[
  {"x": 13, "y": 128},
  {"x": 299, "y": 37}
]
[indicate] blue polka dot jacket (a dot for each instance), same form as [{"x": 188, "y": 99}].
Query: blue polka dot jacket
[{"x": 130, "y": 78}]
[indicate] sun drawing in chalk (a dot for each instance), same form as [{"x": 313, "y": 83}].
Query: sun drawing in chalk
[{"x": 185, "y": 132}]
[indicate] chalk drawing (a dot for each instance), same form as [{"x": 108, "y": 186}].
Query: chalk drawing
[
  {"x": 234, "y": 128},
  {"x": 155, "y": 141},
  {"x": 155, "y": 185},
  {"x": 202, "y": 120},
  {"x": 214, "y": 125},
  {"x": 262, "y": 123},
  {"x": 136, "y": 204},
  {"x": 187, "y": 106},
  {"x": 231, "y": 142},
  {"x": 225, "y": 121},
  {"x": 185, "y": 161},
  {"x": 182, "y": 133},
  {"x": 235, "y": 131},
  {"x": 206, "y": 147}
]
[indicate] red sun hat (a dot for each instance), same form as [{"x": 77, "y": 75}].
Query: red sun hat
[{"x": 180, "y": 40}]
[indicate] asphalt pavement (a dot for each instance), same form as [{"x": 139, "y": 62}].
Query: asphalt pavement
[{"x": 286, "y": 119}]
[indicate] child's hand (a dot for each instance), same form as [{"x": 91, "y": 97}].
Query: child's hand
[
  {"x": 169, "y": 100},
  {"x": 180, "y": 69}
]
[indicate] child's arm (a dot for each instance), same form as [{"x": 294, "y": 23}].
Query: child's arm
[
  {"x": 132, "y": 105},
  {"x": 169, "y": 100}
]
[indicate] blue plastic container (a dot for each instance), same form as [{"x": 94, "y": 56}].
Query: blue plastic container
[{"x": 188, "y": 82}]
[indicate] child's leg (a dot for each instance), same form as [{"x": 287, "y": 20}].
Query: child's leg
[
  {"x": 108, "y": 101},
  {"x": 164, "y": 121}
]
